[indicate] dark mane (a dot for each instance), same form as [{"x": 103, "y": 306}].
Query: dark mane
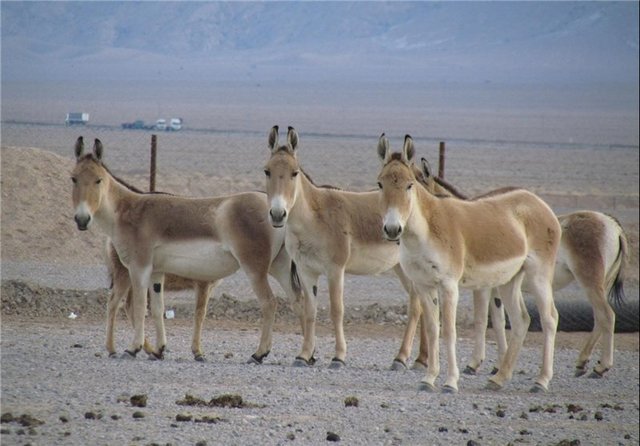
[
  {"x": 492, "y": 193},
  {"x": 132, "y": 188}
]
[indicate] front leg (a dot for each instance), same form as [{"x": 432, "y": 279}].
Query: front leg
[
  {"x": 156, "y": 296},
  {"x": 431, "y": 321},
  {"x": 336, "y": 290},
  {"x": 449, "y": 335},
  {"x": 140, "y": 278}
]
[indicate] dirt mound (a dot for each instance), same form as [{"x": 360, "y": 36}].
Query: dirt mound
[{"x": 37, "y": 213}]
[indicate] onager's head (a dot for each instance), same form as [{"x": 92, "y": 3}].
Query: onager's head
[
  {"x": 396, "y": 182},
  {"x": 88, "y": 185},
  {"x": 282, "y": 173}
]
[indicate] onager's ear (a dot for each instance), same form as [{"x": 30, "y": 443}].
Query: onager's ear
[
  {"x": 79, "y": 148},
  {"x": 384, "y": 152},
  {"x": 407, "y": 150},
  {"x": 97, "y": 149},
  {"x": 292, "y": 139},
  {"x": 273, "y": 139},
  {"x": 426, "y": 168}
]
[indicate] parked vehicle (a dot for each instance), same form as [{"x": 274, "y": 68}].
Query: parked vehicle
[
  {"x": 77, "y": 118},
  {"x": 138, "y": 124},
  {"x": 175, "y": 124},
  {"x": 161, "y": 124}
]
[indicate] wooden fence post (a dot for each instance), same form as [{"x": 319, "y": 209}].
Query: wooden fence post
[
  {"x": 441, "y": 161},
  {"x": 152, "y": 172}
]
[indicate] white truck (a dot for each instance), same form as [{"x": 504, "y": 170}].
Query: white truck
[
  {"x": 175, "y": 124},
  {"x": 161, "y": 124},
  {"x": 76, "y": 118}
]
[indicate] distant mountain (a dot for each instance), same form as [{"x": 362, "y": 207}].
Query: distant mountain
[{"x": 541, "y": 42}]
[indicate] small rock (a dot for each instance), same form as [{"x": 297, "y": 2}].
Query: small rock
[
  {"x": 115, "y": 417},
  {"x": 90, "y": 416},
  {"x": 201, "y": 443},
  {"x": 573, "y": 408},
  {"x": 184, "y": 417},
  {"x": 598, "y": 416},
  {"x": 500, "y": 413},
  {"x": 291, "y": 436},
  {"x": 351, "y": 401},
  {"x": 331, "y": 436},
  {"x": 6, "y": 417},
  {"x": 443, "y": 429},
  {"x": 64, "y": 419},
  {"x": 137, "y": 415},
  {"x": 472, "y": 443},
  {"x": 139, "y": 400}
]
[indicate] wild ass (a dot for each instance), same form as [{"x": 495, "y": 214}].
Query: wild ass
[
  {"x": 593, "y": 251},
  {"x": 330, "y": 232},
  {"x": 203, "y": 239},
  {"x": 492, "y": 242}
]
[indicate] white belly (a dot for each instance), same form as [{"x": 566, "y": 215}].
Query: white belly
[
  {"x": 373, "y": 259},
  {"x": 491, "y": 274},
  {"x": 197, "y": 259}
]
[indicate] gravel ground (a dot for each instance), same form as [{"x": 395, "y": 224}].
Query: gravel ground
[{"x": 59, "y": 387}]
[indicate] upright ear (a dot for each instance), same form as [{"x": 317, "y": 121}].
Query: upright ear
[
  {"x": 273, "y": 139},
  {"x": 407, "y": 150},
  {"x": 384, "y": 152},
  {"x": 292, "y": 139},
  {"x": 426, "y": 168},
  {"x": 79, "y": 148},
  {"x": 97, "y": 149}
]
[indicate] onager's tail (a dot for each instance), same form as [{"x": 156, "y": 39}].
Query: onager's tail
[
  {"x": 295, "y": 279},
  {"x": 616, "y": 275}
]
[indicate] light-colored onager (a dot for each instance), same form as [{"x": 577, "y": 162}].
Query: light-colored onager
[
  {"x": 203, "y": 239},
  {"x": 490, "y": 242},
  {"x": 593, "y": 251},
  {"x": 121, "y": 286},
  {"x": 328, "y": 232}
]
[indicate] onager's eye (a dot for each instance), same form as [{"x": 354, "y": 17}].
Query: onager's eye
[
  {"x": 75, "y": 180},
  {"x": 379, "y": 185},
  {"x": 267, "y": 172},
  {"x": 294, "y": 174},
  {"x": 409, "y": 186},
  {"x": 99, "y": 180}
]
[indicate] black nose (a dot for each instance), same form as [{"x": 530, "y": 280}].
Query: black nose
[
  {"x": 392, "y": 233},
  {"x": 82, "y": 222},
  {"x": 277, "y": 216}
]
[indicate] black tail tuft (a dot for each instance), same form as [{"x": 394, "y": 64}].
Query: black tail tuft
[
  {"x": 295, "y": 279},
  {"x": 616, "y": 292}
]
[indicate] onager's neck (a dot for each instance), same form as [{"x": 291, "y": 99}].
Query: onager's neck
[
  {"x": 417, "y": 224},
  {"x": 305, "y": 205},
  {"x": 105, "y": 215}
]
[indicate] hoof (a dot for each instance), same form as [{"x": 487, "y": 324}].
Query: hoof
[
  {"x": 301, "y": 362},
  {"x": 597, "y": 375},
  {"x": 468, "y": 370},
  {"x": 113, "y": 355},
  {"x": 398, "y": 365},
  {"x": 491, "y": 385},
  {"x": 419, "y": 365},
  {"x": 257, "y": 359},
  {"x": 426, "y": 387},
  {"x": 580, "y": 372},
  {"x": 495, "y": 371},
  {"x": 159, "y": 356},
  {"x": 538, "y": 388},
  {"x": 128, "y": 355},
  {"x": 200, "y": 358},
  {"x": 337, "y": 363},
  {"x": 449, "y": 389}
]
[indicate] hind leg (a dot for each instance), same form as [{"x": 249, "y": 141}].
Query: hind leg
[
  {"x": 203, "y": 293},
  {"x": 541, "y": 290},
  {"x": 603, "y": 328},
  {"x": 262, "y": 289},
  {"x": 513, "y": 301},
  {"x": 498, "y": 323}
]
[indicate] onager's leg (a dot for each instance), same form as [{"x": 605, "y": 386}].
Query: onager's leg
[
  {"x": 260, "y": 284},
  {"x": 449, "y": 308},
  {"x": 121, "y": 288},
  {"x": 480, "y": 316},
  {"x": 336, "y": 289},
  {"x": 203, "y": 293},
  {"x": 540, "y": 286},
  {"x": 309, "y": 282},
  {"x": 140, "y": 285},
  {"x": 156, "y": 294},
  {"x": 603, "y": 327},
  {"x": 513, "y": 301},
  {"x": 414, "y": 313},
  {"x": 498, "y": 323},
  {"x": 431, "y": 322}
]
